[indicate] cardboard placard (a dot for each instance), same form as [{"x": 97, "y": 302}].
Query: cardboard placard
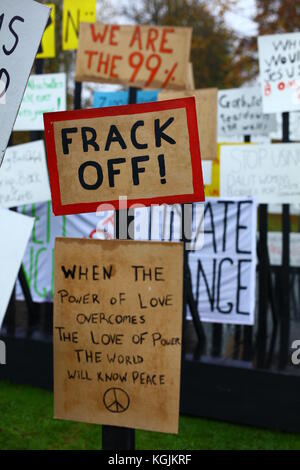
[
  {"x": 21, "y": 27},
  {"x": 138, "y": 56},
  {"x": 44, "y": 94},
  {"x": 74, "y": 13},
  {"x": 148, "y": 153},
  {"x": 278, "y": 56},
  {"x": 47, "y": 46},
  {"x": 269, "y": 172},
  {"x": 102, "y": 99},
  {"x": 14, "y": 235},
  {"x": 240, "y": 113},
  {"x": 117, "y": 347},
  {"x": 206, "y": 106},
  {"x": 24, "y": 175}
]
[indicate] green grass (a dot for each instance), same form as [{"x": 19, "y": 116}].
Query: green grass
[{"x": 26, "y": 423}]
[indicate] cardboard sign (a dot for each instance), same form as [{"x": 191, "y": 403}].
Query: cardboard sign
[
  {"x": 117, "y": 332},
  {"x": 118, "y": 98},
  {"x": 47, "y": 46},
  {"x": 24, "y": 175},
  {"x": 206, "y": 106},
  {"x": 279, "y": 72},
  {"x": 138, "y": 56},
  {"x": 240, "y": 113},
  {"x": 44, "y": 94},
  {"x": 14, "y": 235},
  {"x": 275, "y": 249},
  {"x": 148, "y": 153},
  {"x": 190, "y": 80},
  {"x": 269, "y": 172},
  {"x": 74, "y": 13},
  {"x": 21, "y": 28}
]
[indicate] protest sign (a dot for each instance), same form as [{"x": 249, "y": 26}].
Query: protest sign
[
  {"x": 269, "y": 172},
  {"x": 99, "y": 155},
  {"x": 24, "y": 175},
  {"x": 206, "y": 105},
  {"x": 14, "y": 235},
  {"x": 279, "y": 72},
  {"x": 207, "y": 172},
  {"x": 47, "y": 46},
  {"x": 74, "y": 13},
  {"x": 118, "y": 98},
  {"x": 240, "y": 113},
  {"x": 190, "y": 85},
  {"x": 275, "y": 249},
  {"x": 117, "y": 329},
  {"x": 22, "y": 25},
  {"x": 44, "y": 94},
  {"x": 138, "y": 56}
]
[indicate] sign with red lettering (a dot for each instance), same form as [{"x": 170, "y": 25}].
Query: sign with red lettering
[
  {"x": 146, "y": 153},
  {"x": 142, "y": 56}
]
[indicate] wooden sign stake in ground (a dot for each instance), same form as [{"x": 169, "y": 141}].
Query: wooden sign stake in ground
[
  {"x": 117, "y": 332},
  {"x": 147, "y": 153}
]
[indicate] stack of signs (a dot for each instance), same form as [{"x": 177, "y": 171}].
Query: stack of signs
[
  {"x": 240, "y": 113},
  {"x": 146, "y": 154},
  {"x": 22, "y": 25},
  {"x": 139, "y": 56},
  {"x": 279, "y": 72},
  {"x": 14, "y": 235}
]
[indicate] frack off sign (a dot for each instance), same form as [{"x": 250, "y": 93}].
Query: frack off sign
[
  {"x": 147, "y": 153},
  {"x": 279, "y": 66},
  {"x": 22, "y": 23}
]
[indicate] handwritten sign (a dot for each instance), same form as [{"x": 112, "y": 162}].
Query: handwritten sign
[
  {"x": 190, "y": 80},
  {"x": 140, "y": 56},
  {"x": 14, "y": 235},
  {"x": 148, "y": 153},
  {"x": 44, "y": 94},
  {"x": 117, "y": 330},
  {"x": 269, "y": 172},
  {"x": 21, "y": 28},
  {"x": 275, "y": 249},
  {"x": 240, "y": 113},
  {"x": 206, "y": 106},
  {"x": 279, "y": 71},
  {"x": 118, "y": 98},
  {"x": 74, "y": 13},
  {"x": 47, "y": 46},
  {"x": 24, "y": 175}
]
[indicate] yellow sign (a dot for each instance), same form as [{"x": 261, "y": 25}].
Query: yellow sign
[
  {"x": 74, "y": 13},
  {"x": 47, "y": 46}
]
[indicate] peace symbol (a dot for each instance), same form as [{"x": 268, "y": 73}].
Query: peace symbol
[{"x": 116, "y": 400}]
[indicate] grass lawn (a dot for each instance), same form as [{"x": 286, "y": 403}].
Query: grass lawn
[{"x": 26, "y": 423}]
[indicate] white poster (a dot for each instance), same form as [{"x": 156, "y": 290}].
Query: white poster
[
  {"x": 269, "y": 172},
  {"x": 14, "y": 235},
  {"x": 44, "y": 94},
  {"x": 24, "y": 175},
  {"x": 207, "y": 171},
  {"x": 21, "y": 29},
  {"x": 279, "y": 72},
  {"x": 275, "y": 249},
  {"x": 240, "y": 113}
]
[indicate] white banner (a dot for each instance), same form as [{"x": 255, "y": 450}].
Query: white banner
[
  {"x": 268, "y": 172},
  {"x": 44, "y": 94},
  {"x": 24, "y": 175},
  {"x": 279, "y": 72}
]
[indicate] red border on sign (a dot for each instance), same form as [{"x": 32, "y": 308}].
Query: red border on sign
[{"x": 188, "y": 103}]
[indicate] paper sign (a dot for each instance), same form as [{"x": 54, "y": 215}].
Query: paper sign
[
  {"x": 240, "y": 113},
  {"x": 147, "y": 153},
  {"x": 117, "y": 332},
  {"x": 24, "y": 175},
  {"x": 275, "y": 249},
  {"x": 74, "y": 13},
  {"x": 139, "y": 56},
  {"x": 279, "y": 72},
  {"x": 118, "y": 98},
  {"x": 270, "y": 172},
  {"x": 21, "y": 28},
  {"x": 14, "y": 235},
  {"x": 207, "y": 171},
  {"x": 44, "y": 93},
  {"x": 206, "y": 105},
  {"x": 47, "y": 46}
]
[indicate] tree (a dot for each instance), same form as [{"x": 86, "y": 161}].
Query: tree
[{"x": 212, "y": 51}]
